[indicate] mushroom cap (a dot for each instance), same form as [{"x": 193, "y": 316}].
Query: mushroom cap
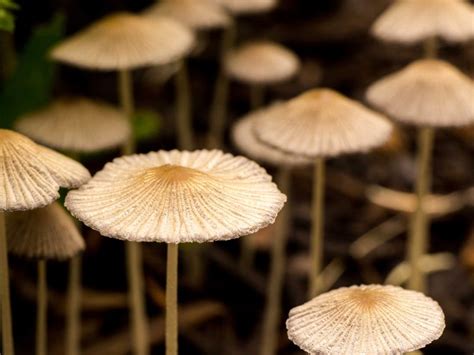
[
  {"x": 322, "y": 122},
  {"x": 426, "y": 92},
  {"x": 31, "y": 175},
  {"x": 177, "y": 197},
  {"x": 248, "y": 7},
  {"x": 262, "y": 62},
  {"x": 43, "y": 233},
  {"x": 195, "y": 14},
  {"x": 125, "y": 41},
  {"x": 77, "y": 125},
  {"x": 244, "y": 138},
  {"x": 373, "y": 319},
  {"x": 410, "y": 21}
]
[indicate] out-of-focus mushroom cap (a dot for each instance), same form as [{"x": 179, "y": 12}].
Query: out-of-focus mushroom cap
[
  {"x": 322, "y": 122},
  {"x": 125, "y": 41},
  {"x": 176, "y": 197},
  {"x": 196, "y": 14},
  {"x": 43, "y": 233},
  {"x": 371, "y": 319},
  {"x": 248, "y": 7},
  {"x": 262, "y": 63},
  {"x": 31, "y": 175},
  {"x": 427, "y": 92},
  {"x": 244, "y": 138},
  {"x": 76, "y": 125},
  {"x": 411, "y": 21}
]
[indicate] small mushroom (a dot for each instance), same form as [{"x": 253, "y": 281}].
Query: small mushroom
[
  {"x": 248, "y": 7},
  {"x": 366, "y": 319}
]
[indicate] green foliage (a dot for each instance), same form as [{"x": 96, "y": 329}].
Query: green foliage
[
  {"x": 146, "y": 124},
  {"x": 31, "y": 84},
  {"x": 7, "y": 20}
]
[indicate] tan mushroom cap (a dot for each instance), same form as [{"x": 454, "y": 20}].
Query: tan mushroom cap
[
  {"x": 248, "y": 7},
  {"x": 322, "y": 122},
  {"x": 244, "y": 138},
  {"x": 373, "y": 319},
  {"x": 196, "y": 14},
  {"x": 31, "y": 175},
  {"x": 76, "y": 125},
  {"x": 177, "y": 197},
  {"x": 262, "y": 62},
  {"x": 410, "y": 21},
  {"x": 43, "y": 233},
  {"x": 125, "y": 41},
  {"x": 426, "y": 92}
]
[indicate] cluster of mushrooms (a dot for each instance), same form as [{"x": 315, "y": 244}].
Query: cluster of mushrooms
[{"x": 198, "y": 196}]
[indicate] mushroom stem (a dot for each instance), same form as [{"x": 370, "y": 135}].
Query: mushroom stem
[
  {"x": 41, "y": 316},
  {"x": 418, "y": 234},
  {"x": 183, "y": 108},
  {"x": 431, "y": 47},
  {"x": 7, "y": 334},
  {"x": 126, "y": 100},
  {"x": 172, "y": 300},
  {"x": 272, "y": 312},
  {"x": 136, "y": 298},
  {"x": 317, "y": 226},
  {"x": 73, "y": 328},
  {"x": 221, "y": 92},
  {"x": 257, "y": 96}
]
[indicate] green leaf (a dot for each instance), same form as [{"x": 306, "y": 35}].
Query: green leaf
[
  {"x": 30, "y": 86},
  {"x": 9, "y": 4},
  {"x": 7, "y": 21},
  {"x": 146, "y": 124}
]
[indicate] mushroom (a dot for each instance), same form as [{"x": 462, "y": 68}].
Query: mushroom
[
  {"x": 43, "y": 234},
  {"x": 245, "y": 139},
  {"x": 366, "y": 319},
  {"x": 31, "y": 176},
  {"x": 427, "y": 93},
  {"x": 122, "y": 42},
  {"x": 177, "y": 197},
  {"x": 320, "y": 124},
  {"x": 248, "y": 7},
  {"x": 76, "y": 125}
]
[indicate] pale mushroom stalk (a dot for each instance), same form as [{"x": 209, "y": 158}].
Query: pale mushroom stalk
[
  {"x": 221, "y": 93},
  {"x": 172, "y": 300},
  {"x": 42, "y": 309},
  {"x": 257, "y": 96},
  {"x": 73, "y": 326},
  {"x": 7, "y": 334},
  {"x": 272, "y": 313},
  {"x": 317, "y": 226},
  {"x": 133, "y": 250},
  {"x": 183, "y": 108}
]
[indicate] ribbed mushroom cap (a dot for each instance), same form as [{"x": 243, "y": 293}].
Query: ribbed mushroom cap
[
  {"x": 125, "y": 41},
  {"x": 176, "y": 197},
  {"x": 248, "y": 7},
  {"x": 410, "y": 21},
  {"x": 322, "y": 122},
  {"x": 196, "y": 14},
  {"x": 262, "y": 62},
  {"x": 43, "y": 233},
  {"x": 426, "y": 92},
  {"x": 77, "y": 125},
  {"x": 373, "y": 319},
  {"x": 244, "y": 138},
  {"x": 31, "y": 175}
]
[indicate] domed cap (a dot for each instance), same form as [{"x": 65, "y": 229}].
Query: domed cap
[
  {"x": 176, "y": 197},
  {"x": 372, "y": 319},
  {"x": 196, "y": 14},
  {"x": 262, "y": 63},
  {"x": 43, "y": 233},
  {"x": 248, "y": 7},
  {"x": 426, "y": 92},
  {"x": 31, "y": 175},
  {"x": 244, "y": 138},
  {"x": 322, "y": 122},
  {"x": 410, "y": 21},
  {"x": 125, "y": 41},
  {"x": 77, "y": 125}
]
